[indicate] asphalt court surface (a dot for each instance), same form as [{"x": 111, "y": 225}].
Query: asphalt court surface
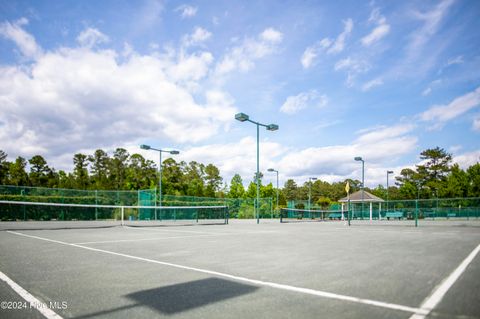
[{"x": 245, "y": 270}]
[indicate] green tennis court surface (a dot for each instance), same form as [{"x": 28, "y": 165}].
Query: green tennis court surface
[{"x": 245, "y": 270}]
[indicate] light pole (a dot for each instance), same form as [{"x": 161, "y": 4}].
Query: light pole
[
  {"x": 160, "y": 151},
  {"x": 273, "y": 170},
  {"x": 388, "y": 173},
  {"x": 242, "y": 117},
  {"x": 358, "y": 158},
  {"x": 310, "y": 179}
]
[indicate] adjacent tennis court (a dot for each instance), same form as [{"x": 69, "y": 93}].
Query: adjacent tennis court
[{"x": 241, "y": 269}]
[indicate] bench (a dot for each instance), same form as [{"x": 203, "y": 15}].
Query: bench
[
  {"x": 335, "y": 215},
  {"x": 451, "y": 215},
  {"x": 398, "y": 215}
]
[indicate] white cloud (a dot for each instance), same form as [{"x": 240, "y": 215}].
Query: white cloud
[
  {"x": 242, "y": 57},
  {"x": 378, "y": 147},
  {"x": 430, "y": 87},
  {"x": 311, "y": 53},
  {"x": 147, "y": 15},
  {"x": 424, "y": 45},
  {"x": 332, "y": 163},
  {"x": 90, "y": 37},
  {"x": 308, "y": 57},
  {"x": 339, "y": 43},
  {"x": 238, "y": 157},
  {"x": 376, "y": 17},
  {"x": 272, "y": 35},
  {"x": 432, "y": 20},
  {"x": 25, "y": 42},
  {"x": 440, "y": 114},
  {"x": 127, "y": 49},
  {"x": 427, "y": 91},
  {"x": 468, "y": 159},
  {"x": 191, "y": 67},
  {"x": 296, "y": 103},
  {"x": 450, "y": 62},
  {"x": 353, "y": 67},
  {"x": 455, "y": 148},
  {"x": 476, "y": 124},
  {"x": 198, "y": 36},
  {"x": 98, "y": 101},
  {"x": 456, "y": 60},
  {"x": 371, "y": 84},
  {"x": 377, "y": 34},
  {"x": 187, "y": 11},
  {"x": 380, "y": 31},
  {"x": 384, "y": 132}
]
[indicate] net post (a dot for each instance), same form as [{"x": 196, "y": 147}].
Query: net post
[
  {"x": 348, "y": 212},
  {"x": 123, "y": 215},
  {"x": 416, "y": 213}
]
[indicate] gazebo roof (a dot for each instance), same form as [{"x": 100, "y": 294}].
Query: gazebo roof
[{"x": 357, "y": 197}]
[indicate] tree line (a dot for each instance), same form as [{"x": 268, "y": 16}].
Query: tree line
[{"x": 437, "y": 176}]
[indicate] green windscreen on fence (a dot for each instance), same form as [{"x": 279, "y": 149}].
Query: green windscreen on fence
[
  {"x": 42, "y": 215},
  {"x": 289, "y": 215},
  {"x": 242, "y": 208},
  {"x": 406, "y": 212},
  {"x": 441, "y": 208}
]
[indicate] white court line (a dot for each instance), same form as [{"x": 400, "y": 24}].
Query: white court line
[
  {"x": 165, "y": 230},
  {"x": 157, "y": 238},
  {"x": 162, "y": 238},
  {"x": 200, "y": 232},
  {"x": 30, "y": 299},
  {"x": 141, "y": 239},
  {"x": 318, "y": 293},
  {"x": 431, "y": 302}
]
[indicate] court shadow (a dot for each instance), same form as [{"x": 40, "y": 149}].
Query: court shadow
[
  {"x": 194, "y": 294},
  {"x": 177, "y": 298}
]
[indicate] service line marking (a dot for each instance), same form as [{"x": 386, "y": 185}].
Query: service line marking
[
  {"x": 141, "y": 239},
  {"x": 308, "y": 291},
  {"x": 160, "y": 229},
  {"x": 439, "y": 292},
  {"x": 32, "y": 300},
  {"x": 200, "y": 232}
]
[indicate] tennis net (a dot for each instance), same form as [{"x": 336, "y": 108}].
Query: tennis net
[
  {"x": 39, "y": 215},
  {"x": 289, "y": 215}
]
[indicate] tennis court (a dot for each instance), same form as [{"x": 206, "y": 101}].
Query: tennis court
[{"x": 243, "y": 270}]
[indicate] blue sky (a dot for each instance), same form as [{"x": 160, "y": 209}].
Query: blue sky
[{"x": 381, "y": 80}]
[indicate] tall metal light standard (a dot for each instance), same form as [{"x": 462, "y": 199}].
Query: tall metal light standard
[
  {"x": 358, "y": 158},
  {"x": 273, "y": 170},
  {"x": 242, "y": 117},
  {"x": 148, "y": 147},
  {"x": 310, "y": 179},
  {"x": 388, "y": 173}
]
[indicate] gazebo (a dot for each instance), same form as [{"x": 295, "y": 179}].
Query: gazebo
[{"x": 356, "y": 198}]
